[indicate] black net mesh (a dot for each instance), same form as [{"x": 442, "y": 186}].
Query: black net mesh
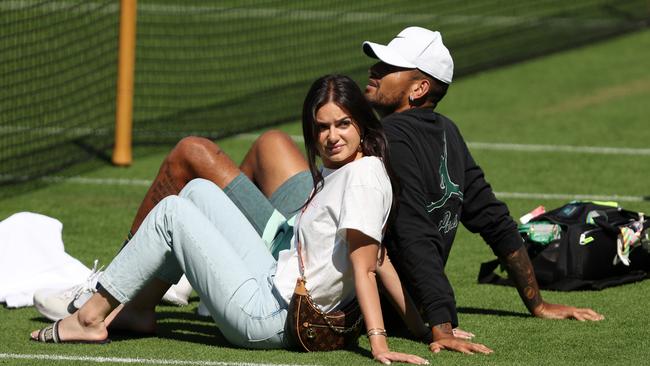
[
  {"x": 215, "y": 68},
  {"x": 57, "y": 72}
]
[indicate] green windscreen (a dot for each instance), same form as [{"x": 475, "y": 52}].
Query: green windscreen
[{"x": 214, "y": 68}]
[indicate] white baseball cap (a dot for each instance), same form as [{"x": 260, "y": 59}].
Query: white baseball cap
[{"x": 415, "y": 48}]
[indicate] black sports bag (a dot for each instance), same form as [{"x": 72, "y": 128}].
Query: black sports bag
[{"x": 574, "y": 247}]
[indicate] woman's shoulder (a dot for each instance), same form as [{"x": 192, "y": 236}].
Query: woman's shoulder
[
  {"x": 368, "y": 169},
  {"x": 367, "y": 163}
]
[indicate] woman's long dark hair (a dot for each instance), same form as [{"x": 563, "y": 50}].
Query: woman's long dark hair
[{"x": 344, "y": 92}]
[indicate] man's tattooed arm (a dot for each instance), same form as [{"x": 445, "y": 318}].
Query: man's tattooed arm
[
  {"x": 443, "y": 330},
  {"x": 520, "y": 270}
]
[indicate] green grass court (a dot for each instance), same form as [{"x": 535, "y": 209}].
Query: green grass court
[{"x": 596, "y": 96}]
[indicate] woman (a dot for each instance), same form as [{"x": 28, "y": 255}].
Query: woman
[{"x": 202, "y": 234}]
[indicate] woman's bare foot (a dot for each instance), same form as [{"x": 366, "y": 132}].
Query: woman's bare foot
[
  {"x": 86, "y": 324},
  {"x": 73, "y": 329}
]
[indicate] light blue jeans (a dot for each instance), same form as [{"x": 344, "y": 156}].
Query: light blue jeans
[{"x": 202, "y": 233}]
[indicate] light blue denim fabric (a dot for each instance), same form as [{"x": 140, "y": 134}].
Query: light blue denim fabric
[{"x": 202, "y": 233}]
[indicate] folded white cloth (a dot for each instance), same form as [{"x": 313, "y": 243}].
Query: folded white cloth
[{"x": 32, "y": 257}]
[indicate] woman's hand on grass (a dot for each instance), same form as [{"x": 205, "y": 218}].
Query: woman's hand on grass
[{"x": 389, "y": 357}]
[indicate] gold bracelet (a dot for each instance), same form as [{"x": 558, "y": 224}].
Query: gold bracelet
[{"x": 376, "y": 331}]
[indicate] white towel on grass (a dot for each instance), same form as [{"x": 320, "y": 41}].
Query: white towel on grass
[{"x": 32, "y": 257}]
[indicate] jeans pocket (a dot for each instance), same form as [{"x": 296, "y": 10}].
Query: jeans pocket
[
  {"x": 267, "y": 329},
  {"x": 261, "y": 313}
]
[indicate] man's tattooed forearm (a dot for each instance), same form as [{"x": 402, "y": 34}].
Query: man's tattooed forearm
[
  {"x": 444, "y": 328},
  {"x": 521, "y": 272}
]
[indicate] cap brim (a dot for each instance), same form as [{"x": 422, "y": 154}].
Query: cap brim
[{"x": 386, "y": 55}]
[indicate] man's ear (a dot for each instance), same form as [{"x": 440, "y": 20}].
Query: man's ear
[
  {"x": 421, "y": 89},
  {"x": 419, "y": 92}
]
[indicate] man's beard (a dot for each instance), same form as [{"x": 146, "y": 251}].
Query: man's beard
[{"x": 383, "y": 105}]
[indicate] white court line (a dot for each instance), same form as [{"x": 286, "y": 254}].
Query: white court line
[
  {"x": 603, "y": 150},
  {"x": 148, "y": 361},
  {"x": 220, "y": 12},
  {"x": 98, "y": 181},
  {"x": 477, "y": 146},
  {"x": 559, "y": 148},
  {"x": 511, "y": 195},
  {"x": 566, "y": 196}
]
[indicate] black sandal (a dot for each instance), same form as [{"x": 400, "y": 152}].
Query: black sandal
[{"x": 50, "y": 334}]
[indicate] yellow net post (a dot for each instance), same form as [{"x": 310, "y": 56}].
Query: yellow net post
[{"x": 122, "y": 152}]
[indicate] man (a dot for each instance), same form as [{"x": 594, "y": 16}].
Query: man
[{"x": 441, "y": 184}]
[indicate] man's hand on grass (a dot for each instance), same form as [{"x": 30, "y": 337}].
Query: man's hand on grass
[
  {"x": 458, "y": 345},
  {"x": 558, "y": 311},
  {"x": 462, "y": 334},
  {"x": 446, "y": 338}
]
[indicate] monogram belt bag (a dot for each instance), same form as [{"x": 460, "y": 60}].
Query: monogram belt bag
[{"x": 312, "y": 330}]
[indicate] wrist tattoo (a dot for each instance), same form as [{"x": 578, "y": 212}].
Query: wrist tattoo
[
  {"x": 444, "y": 328},
  {"x": 521, "y": 272}
]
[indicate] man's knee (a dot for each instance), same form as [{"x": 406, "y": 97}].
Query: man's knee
[
  {"x": 192, "y": 149},
  {"x": 273, "y": 139},
  {"x": 197, "y": 157},
  {"x": 269, "y": 148}
]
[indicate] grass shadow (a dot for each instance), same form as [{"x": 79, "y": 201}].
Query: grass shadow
[
  {"x": 361, "y": 352},
  {"x": 180, "y": 326},
  {"x": 41, "y": 319},
  {"x": 494, "y": 312},
  {"x": 189, "y": 327}
]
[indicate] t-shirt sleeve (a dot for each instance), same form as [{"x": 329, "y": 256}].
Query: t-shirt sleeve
[{"x": 365, "y": 206}]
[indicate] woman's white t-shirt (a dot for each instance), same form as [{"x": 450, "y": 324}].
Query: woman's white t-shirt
[{"x": 356, "y": 196}]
